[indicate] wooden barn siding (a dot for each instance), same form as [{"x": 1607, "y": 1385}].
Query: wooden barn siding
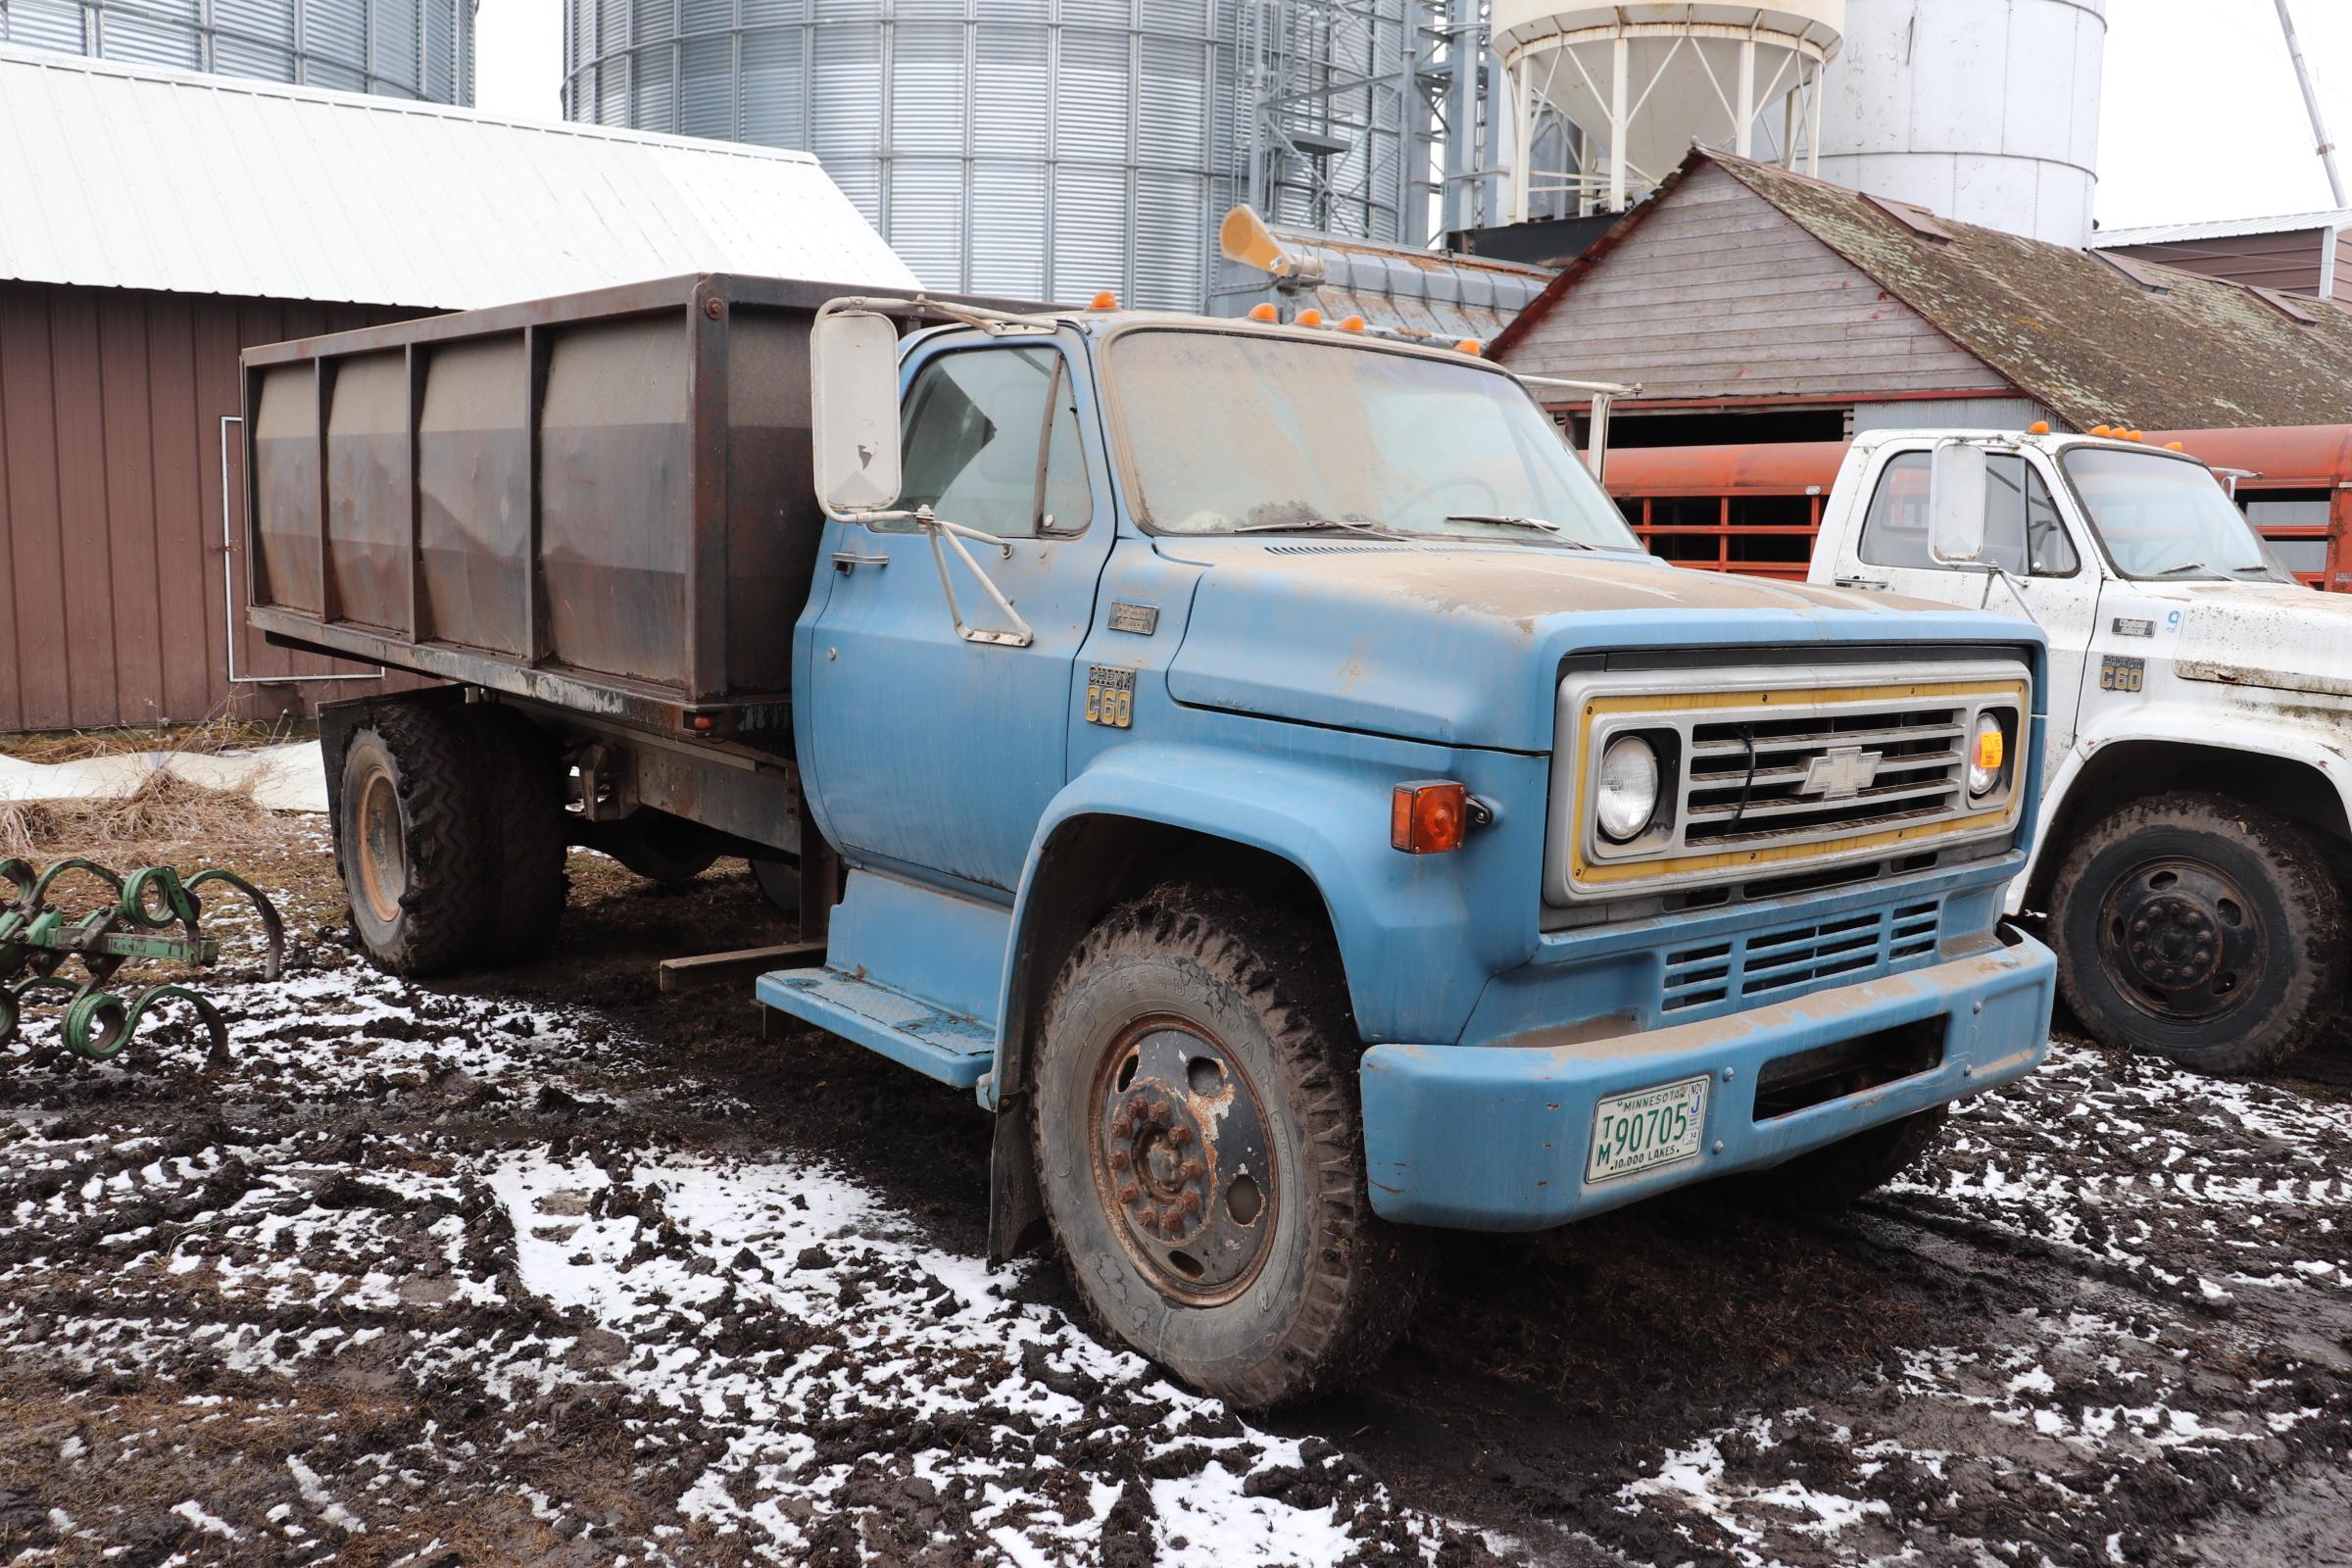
[
  {"x": 110, "y": 612},
  {"x": 1717, "y": 294},
  {"x": 2288, "y": 261}
]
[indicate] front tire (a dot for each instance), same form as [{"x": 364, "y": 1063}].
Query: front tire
[
  {"x": 2202, "y": 930},
  {"x": 1201, "y": 1151}
]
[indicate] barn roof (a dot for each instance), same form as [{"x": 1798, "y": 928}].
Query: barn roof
[
  {"x": 2094, "y": 339},
  {"x": 134, "y": 178}
]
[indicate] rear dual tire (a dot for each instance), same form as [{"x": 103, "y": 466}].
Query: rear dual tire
[{"x": 449, "y": 829}]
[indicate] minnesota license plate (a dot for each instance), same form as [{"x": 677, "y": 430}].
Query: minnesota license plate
[{"x": 1647, "y": 1129}]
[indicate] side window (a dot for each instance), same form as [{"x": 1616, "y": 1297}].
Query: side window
[
  {"x": 2022, "y": 529},
  {"x": 2049, "y": 552},
  {"x": 1894, "y": 530},
  {"x": 980, "y": 449}
]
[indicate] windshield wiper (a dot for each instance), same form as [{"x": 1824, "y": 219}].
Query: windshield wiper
[
  {"x": 2184, "y": 566},
  {"x": 1508, "y": 520},
  {"x": 1315, "y": 524}
]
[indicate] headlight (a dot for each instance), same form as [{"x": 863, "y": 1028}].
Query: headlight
[
  {"x": 1987, "y": 751},
  {"x": 1628, "y": 794}
]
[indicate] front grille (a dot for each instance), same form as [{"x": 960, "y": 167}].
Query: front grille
[
  {"x": 1790, "y": 960},
  {"x": 1768, "y": 775},
  {"x": 1747, "y": 781}
]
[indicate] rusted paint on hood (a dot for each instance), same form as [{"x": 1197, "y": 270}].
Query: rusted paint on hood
[
  {"x": 2270, "y": 636},
  {"x": 1461, "y": 644}
]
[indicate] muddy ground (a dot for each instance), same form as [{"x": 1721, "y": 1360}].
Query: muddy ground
[{"x": 545, "y": 1268}]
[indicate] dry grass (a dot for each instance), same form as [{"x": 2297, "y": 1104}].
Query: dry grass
[
  {"x": 219, "y": 733},
  {"x": 167, "y": 816}
]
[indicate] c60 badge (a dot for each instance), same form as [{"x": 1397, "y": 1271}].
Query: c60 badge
[{"x": 1110, "y": 697}]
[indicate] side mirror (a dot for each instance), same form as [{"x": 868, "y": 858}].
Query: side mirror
[
  {"x": 1956, "y": 483},
  {"x": 854, "y": 411}
]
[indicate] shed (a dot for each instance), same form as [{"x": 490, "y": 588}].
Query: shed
[
  {"x": 2299, "y": 253},
  {"x": 1754, "y": 303},
  {"x": 159, "y": 221}
]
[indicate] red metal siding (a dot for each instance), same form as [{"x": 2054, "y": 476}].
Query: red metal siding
[{"x": 110, "y": 538}]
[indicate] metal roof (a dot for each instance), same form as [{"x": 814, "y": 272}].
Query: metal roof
[
  {"x": 2221, "y": 228},
  {"x": 132, "y": 178}
]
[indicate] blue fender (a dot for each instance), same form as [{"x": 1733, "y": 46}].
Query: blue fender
[{"x": 1417, "y": 945}]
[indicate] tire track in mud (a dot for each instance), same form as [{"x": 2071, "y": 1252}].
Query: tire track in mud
[{"x": 515, "y": 1271}]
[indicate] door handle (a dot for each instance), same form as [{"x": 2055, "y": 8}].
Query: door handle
[{"x": 845, "y": 562}]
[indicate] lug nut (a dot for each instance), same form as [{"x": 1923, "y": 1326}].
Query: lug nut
[
  {"x": 1119, "y": 1159},
  {"x": 1160, "y": 1111},
  {"x": 1149, "y": 1219},
  {"x": 1128, "y": 1193},
  {"x": 1169, "y": 1218},
  {"x": 1123, "y": 1127},
  {"x": 1189, "y": 1171},
  {"x": 1138, "y": 1107},
  {"x": 1190, "y": 1203},
  {"x": 1180, "y": 1135}
]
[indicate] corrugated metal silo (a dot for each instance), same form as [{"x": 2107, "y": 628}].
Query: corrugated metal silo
[
  {"x": 398, "y": 48},
  {"x": 1030, "y": 148}
]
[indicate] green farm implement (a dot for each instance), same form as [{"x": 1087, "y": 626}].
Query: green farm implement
[{"x": 154, "y": 918}]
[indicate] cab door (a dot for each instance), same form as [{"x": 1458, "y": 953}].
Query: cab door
[
  {"x": 2043, "y": 573},
  {"x": 927, "y": 752}
]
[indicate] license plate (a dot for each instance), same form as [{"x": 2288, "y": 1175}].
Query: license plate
[{"x": 1647, "y": 1129}]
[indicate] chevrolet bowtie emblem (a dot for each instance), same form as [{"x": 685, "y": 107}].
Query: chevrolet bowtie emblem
[{"x": 1841, "y": 774}]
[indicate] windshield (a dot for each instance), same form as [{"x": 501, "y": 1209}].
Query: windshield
[
  {"x": 1236, "y": 433},
  {"x": 2166, "y": 517}
]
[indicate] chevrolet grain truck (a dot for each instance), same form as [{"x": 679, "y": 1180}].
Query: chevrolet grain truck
[{"x": 1254, "y": 761}]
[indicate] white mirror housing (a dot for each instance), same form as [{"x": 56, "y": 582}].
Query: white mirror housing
[
  {"x": 1956, "y": 486},
  {"x": 854, "y": 411}
]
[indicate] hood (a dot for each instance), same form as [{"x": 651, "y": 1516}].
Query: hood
[
  {"x": 1460, "y": 643},
  {"x": 2278, "y": 636}
]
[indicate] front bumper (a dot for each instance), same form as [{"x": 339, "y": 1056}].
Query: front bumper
[{"x": 1497, "y": 1137}]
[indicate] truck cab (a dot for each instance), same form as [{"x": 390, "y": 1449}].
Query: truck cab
[{"x": 2195, "y": 763}]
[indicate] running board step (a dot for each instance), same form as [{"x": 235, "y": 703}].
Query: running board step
[{"x": 946, "y": 1046}]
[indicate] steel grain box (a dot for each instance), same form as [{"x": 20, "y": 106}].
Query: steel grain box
[{"x": 602, "y": 500}]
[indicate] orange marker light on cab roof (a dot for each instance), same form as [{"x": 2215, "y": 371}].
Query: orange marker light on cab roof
[
  {"x": 1310, "y": 316},
  {"x": 2174, "y": 446},
  {"x": 1469, "y": 345},
  {"x": 2102, "y": 430},
  {"x": 1264, "y": 313},
  {"x": 2038, "y": 428},
  {"x": 1351, "y": 323},
  {"x": 1428, "y": 817},
  {"x": 1104, "y": 300}
]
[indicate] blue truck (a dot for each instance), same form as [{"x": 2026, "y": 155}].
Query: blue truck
[{"x": 1253, "y": 760}]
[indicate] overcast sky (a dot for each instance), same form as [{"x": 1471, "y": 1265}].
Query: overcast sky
[{"x": 2199, "y": 117}]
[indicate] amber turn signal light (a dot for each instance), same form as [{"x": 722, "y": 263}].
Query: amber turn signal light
[
  {"x": 1264, "y": 313},
  {"x": 1468, "y": 345},
  {"x": 1351, "y": 323},
  {"x": 1991, "y": 748},
  {"x": 1310, "y": 316},
  {"x": 2038, "y": 428},
  {"x": 1430, "y": 817},
  {"x": 1104, "y": 300}
]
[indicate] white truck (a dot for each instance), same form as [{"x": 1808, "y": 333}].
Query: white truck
[{"x": 2194, "y": 846}]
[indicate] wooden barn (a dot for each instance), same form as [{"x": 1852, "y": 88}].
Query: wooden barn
[
  {"x": 154, "y": 224},
  {"x": 1753, "y": 304}
]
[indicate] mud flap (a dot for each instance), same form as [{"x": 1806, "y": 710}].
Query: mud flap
[{"x": 1017, "y": 1209}]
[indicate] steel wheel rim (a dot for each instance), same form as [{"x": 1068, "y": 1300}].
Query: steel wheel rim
[
  {"x": 383, "y": 865},
  {"x": 2183, "y": 939},
  {"x": 1178, "y": 1146}
]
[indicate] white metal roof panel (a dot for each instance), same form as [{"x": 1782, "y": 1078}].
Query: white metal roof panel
[
  {"x": 2221, "y": 228},
  {"x": 132, "y": 178}
]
